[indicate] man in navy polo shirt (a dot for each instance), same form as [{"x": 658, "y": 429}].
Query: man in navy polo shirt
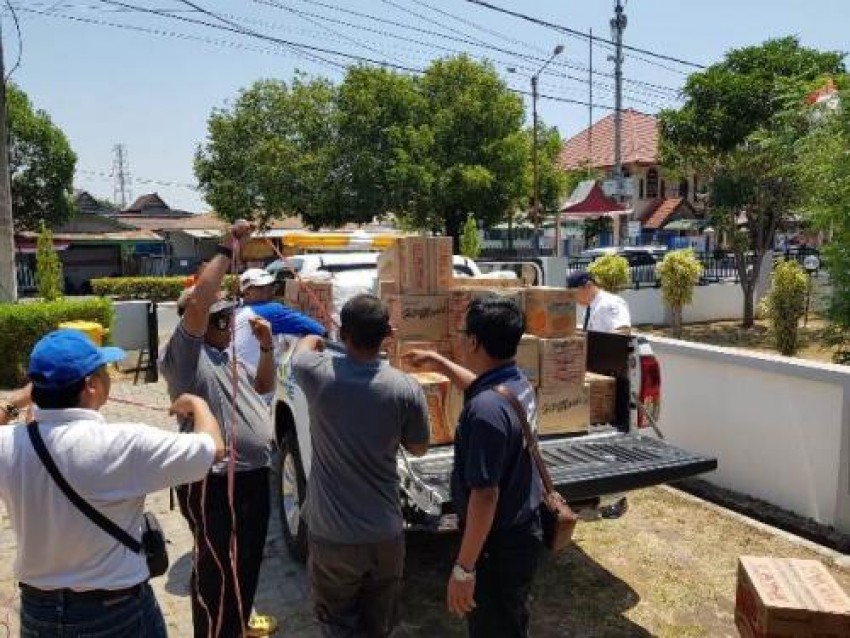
[{"x": 496, "y": 490}]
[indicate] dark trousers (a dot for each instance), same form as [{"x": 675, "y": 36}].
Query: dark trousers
[
  {"x": 60, "y": 615},
  {"x": 504, "y": 573},
  {"x": 214, "y": 584},
  {"x": 355, "y": 587}
]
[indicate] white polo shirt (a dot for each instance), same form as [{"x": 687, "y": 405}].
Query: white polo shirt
[
  {"x": 608, "y": 313},
  {"x": 112, "y": 466}
]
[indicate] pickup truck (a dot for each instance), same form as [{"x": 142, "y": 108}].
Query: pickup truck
[{"x": 592, "y": 471}]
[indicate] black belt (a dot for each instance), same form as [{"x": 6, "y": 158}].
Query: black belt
[{"x": 89, "y": 596}]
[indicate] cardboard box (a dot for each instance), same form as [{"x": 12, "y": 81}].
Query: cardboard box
[
  {"x": 789, "y": 598},
  {"x": 419, "y": 317},
  {"x": 550, "y": 312},
  {"x": 563, "y": 410},
  {"x": 418, "y": 265},
  {"x": 456, "y": 402},
  {"x": 460, "y": 298},
  {"x": 437, "y": 387},
  {"x": 313, "y": 297},
  {"x": 563, "y": 362},
  {"x": 492, "y": 283},
  {"x": 528, "y": 358},
  {"x": 402, "y": 347},
  {"x": 603, "y": 398},
  {"x": 387, "y": 289}
]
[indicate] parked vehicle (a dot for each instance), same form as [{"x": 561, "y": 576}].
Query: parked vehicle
[{"x": 591, "y": 471}]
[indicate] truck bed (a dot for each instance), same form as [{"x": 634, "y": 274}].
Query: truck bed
[{"x": 581, "y": 467}]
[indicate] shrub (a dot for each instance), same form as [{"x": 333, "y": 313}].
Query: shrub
[
  {"x": 48, "y": 267},
  {"x": 679, "y": 273},
  {"x": 785, "y": 304},
  {"x": 22, "y": 324},
  {"x": 470, "y": 240},
  {"x": 611, "y": 272},
  {"x": 147, "y": 288}
]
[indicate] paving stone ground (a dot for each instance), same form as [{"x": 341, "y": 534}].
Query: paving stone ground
[{"x": 282, "y": 590}]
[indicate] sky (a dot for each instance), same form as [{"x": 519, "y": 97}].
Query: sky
[{"x": 152, "y": 83}]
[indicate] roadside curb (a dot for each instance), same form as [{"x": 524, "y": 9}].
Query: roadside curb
[{"x": 839, "y": 559}]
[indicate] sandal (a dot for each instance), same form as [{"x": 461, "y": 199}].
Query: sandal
[{"x": 261, "y": 625}]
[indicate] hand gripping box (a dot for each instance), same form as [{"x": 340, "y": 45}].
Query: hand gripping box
[{"x": 437, "y": 388}]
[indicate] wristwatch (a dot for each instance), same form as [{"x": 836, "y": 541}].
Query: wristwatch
[
  {"x": 12, "y": 411},
  {"x": 266, "y": 349},
  {"x": 461, "y": 574}
]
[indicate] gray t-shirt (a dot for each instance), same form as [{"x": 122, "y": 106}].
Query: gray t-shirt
[
  {"x": 190, "y": 365},
  {"x": 359, "y": 415}
]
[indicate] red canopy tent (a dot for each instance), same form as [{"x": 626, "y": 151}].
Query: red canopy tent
[{"x": 588, "y": 200}]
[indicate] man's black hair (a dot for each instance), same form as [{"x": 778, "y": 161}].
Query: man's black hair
[
  {"x": 365, "y": 322},
  {"x": 59, "y": 399},
  {"x": 497, "y": 323}
]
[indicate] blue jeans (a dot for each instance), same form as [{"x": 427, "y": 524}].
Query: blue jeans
[{"x": 57, "y": 616}]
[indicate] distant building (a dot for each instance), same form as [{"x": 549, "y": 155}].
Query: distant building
[{"x": 656, "y": 199}]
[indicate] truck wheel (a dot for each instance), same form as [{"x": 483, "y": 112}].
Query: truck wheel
[{"x": 292, "y": 488}]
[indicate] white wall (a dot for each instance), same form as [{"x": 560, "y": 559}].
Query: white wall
[
  {"x": 714, "y": 302},
  {"x": 779, "y": 427}
]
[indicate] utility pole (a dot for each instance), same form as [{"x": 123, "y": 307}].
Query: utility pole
[
  {"x": 618, "y": 25},
  {"x": 535, "y": 161},
  {"x": 8, "y": 272},
  {"x": 121, "y": 193},
  {"x": 590, "y": 106}
]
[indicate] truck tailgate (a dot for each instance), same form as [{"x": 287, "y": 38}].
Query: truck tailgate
[{"x": 589, "y": 466}]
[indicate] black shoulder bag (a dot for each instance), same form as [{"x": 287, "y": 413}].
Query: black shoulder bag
[{"x": 152, "y": 545}]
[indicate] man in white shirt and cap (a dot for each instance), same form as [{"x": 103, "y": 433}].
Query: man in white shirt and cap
[{"x": 604, "y": 312}]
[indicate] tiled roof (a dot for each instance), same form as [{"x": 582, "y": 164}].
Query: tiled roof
[
  {"x": 144, "y": 202},
  {"x": 169, "y": 222},
  {"x": 126, "y": 236},
  {"x": 639, "y": 142},
  {"x": 665, "y": 210}
]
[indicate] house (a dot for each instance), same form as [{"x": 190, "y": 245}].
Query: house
[
  {"x": 90, "y": 245},
  {"x": 656, "y": 199}
]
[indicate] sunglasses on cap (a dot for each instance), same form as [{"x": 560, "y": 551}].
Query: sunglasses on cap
[{"x": 221, "y": 320}]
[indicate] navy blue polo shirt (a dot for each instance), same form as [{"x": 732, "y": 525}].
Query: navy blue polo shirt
[{"x": 490, "y": 451}]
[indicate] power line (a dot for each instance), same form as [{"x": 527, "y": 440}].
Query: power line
[
  {"x": 140, "y": 180},
  {"x": 20, "y": 42},
  {"x": 582, "y": 34}
]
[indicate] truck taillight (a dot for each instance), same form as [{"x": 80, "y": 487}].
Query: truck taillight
[{"x": 650, "y": 390}]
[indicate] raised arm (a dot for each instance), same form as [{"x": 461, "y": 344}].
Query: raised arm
[
  {"x": 427, "y": 360},
  {"x": 208, "y": 286}
]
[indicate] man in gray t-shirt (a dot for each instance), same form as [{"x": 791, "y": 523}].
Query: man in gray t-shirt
[{"x": 361, "y": 411}]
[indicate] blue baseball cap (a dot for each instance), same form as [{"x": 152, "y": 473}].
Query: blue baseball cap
[
  {"x": 579, "y": 279},
  {"x": 64, "y": 357}
]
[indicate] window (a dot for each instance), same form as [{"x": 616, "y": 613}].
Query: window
[
  {"x": 640, "y": 188},
  {"x": 683, "y": 188},
  {"x": 652, "y": 183},
  {"x": 662, "y": 192}
]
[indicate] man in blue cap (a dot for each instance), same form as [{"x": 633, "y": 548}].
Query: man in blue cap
[
  {"x": 75, "y": 578},
  {"x": 604, "y": 312}
]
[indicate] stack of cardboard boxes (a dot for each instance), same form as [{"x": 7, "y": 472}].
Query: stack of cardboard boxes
[{"x": 428, "y": 311}]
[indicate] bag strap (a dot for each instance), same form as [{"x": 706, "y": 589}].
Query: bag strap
[
  {"x": 108, "y": 526},
  {"x": 530, "y": 437}
]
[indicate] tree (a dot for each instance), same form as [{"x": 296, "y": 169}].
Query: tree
[
  {"x": 48, "y": 268},
  {"x": 41, "y": 165},
  {"x": 270, "y": 155},
  {"x": 737, "y": 131},
  {"x": 611, "y": 272},
  {"x": 470, "y": 241},
  {"x": 679, "y": 272},
  {"x": 785, "y": 304},
  {"x": 824, "y": 170},
  {"x": 477, "y": 150}
]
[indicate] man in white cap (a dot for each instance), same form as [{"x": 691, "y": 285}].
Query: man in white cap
[{"x": 257, "y": 288}]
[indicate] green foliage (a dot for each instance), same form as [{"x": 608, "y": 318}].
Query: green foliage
[
  {"x": 738, "y": 130},
  {"x": 48, "y": 268},
  {"x": 679, "y": 272},
  {"x": 429, "y": 151},
  {"x": 785, "y": 304},
  {"x": 824, "y": 170},
  {"x": 41, "y": 165},
  {"x": 470, "y": 241},
  {"x": 23, "y": 324},
  {"x": 611, "y": 272},
  {"x": 148, "y": 288}
]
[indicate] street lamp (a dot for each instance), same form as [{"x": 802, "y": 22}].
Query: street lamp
[{"x": 535, "y": 161}]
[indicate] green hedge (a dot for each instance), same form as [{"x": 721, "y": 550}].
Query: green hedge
[
  {"x": 148, "y": 288},
  {"x": 23, "y": 324}
]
